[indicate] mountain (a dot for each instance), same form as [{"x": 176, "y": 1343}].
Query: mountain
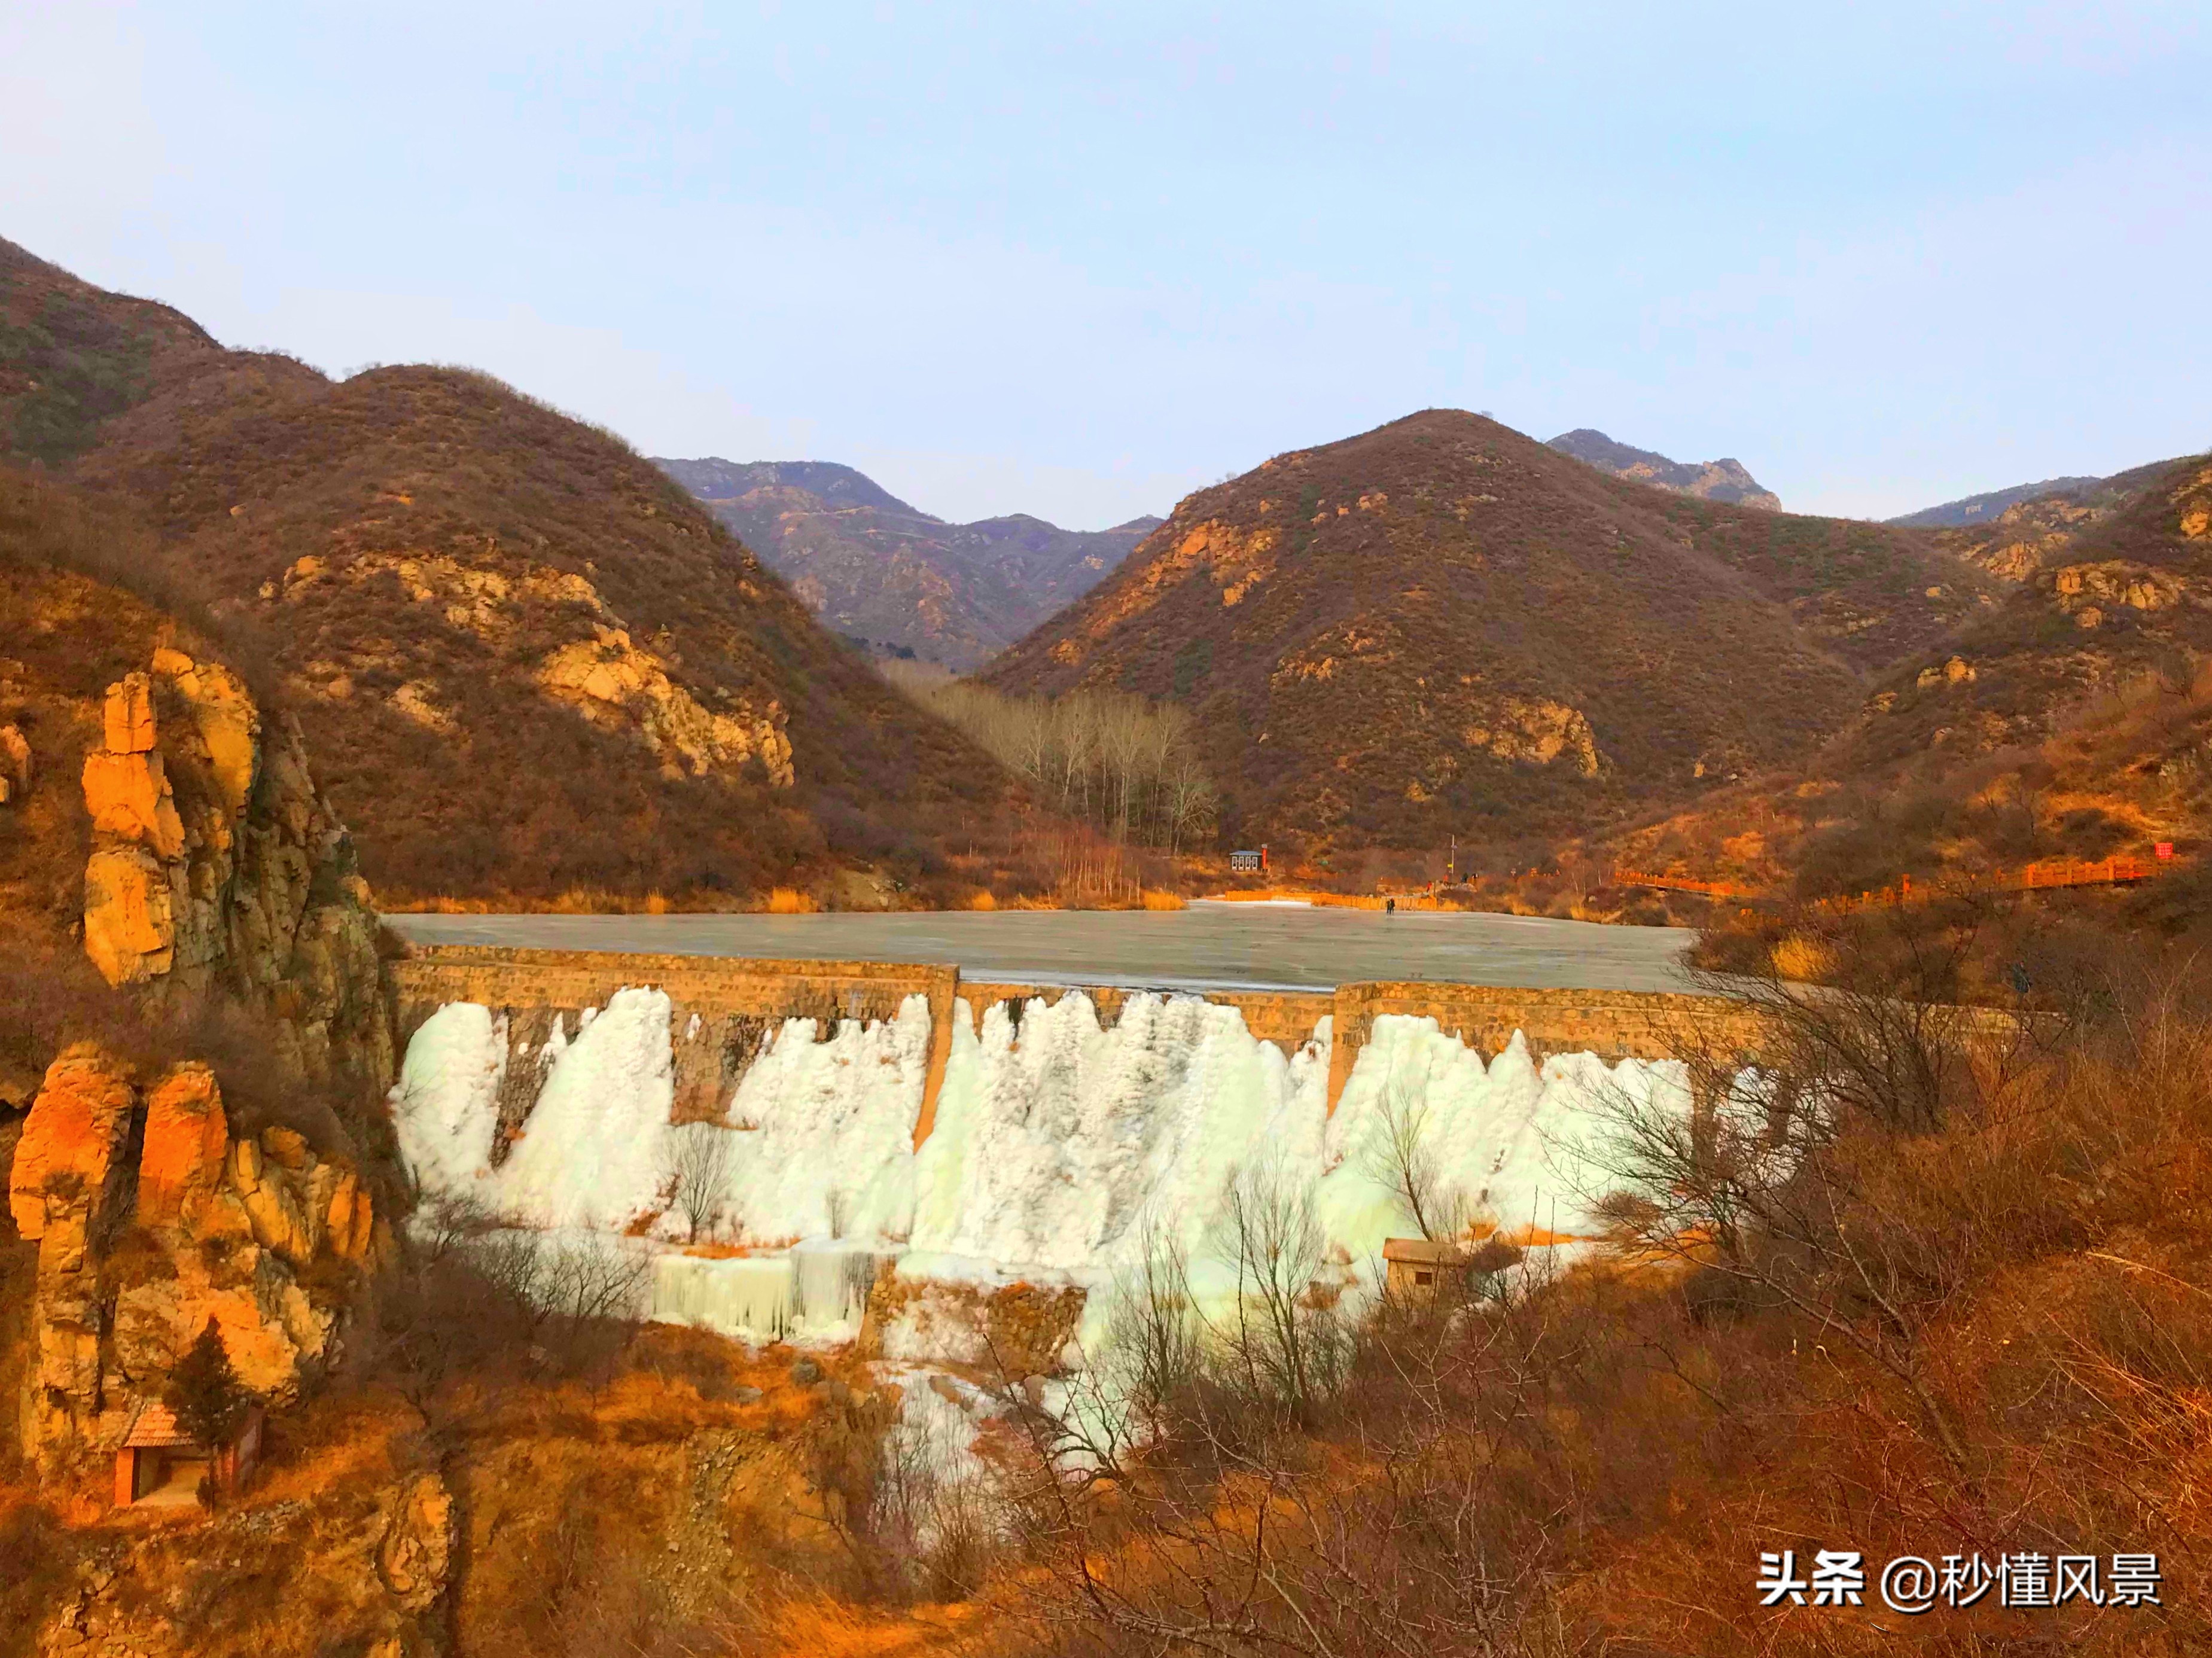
[
  {"x": 72, "y": 355},
  {"x": 1443, "y": 627},
  {"x": 1712, "y": 480},
  {"x": 1970, "y": 511},
  {"x": 531, "y": 667},
  {"x": 881, "y": 572},
  {"x": 2070, "y": 718}
]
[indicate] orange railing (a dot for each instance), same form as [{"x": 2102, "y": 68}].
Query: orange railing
[
  {"x": 2034, "y": 877},
  {"x": 2112, "y": 871},
  {"x": 1629, "y": 878}
]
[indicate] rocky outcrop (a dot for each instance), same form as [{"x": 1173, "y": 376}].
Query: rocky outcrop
[
  {"x": 2192, "y": 503},
  {"x": 217, "y": 866},
  {"x": 415, "y": 1558},
  {"x": 613, "y": 683},
  {"x": 150, "y": 1594},
  {"x": 15, "y": 764},
  {"x": 69, "y": 1170},
  {"x": 1955, "y": 671},
  {"x": 151, "y": 1220},
  {"x": 607, "y": 679},
  {"x": 1535, "y": 729},
  {"x": 2114, "y": 582}
]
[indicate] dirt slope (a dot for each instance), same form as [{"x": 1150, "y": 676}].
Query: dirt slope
[
  {"x": 1443, "y": 627},
  {"x": 526, "y": 661},
  {"x": 885, "y": 574}
]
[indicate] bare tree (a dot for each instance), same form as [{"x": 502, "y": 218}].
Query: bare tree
[
  {"x": 698, "y": 1172},
  {"x": 1130, "y": 766},
  {"x": 1283, "y": 1347},
  {"x": 1403, "y": 1158},
  {"x": 1124, "y": 739}
]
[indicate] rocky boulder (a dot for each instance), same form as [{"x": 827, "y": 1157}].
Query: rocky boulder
[{"x": 15, "y": 764}]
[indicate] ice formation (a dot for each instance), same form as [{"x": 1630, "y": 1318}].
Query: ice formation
[{"x": 1058, "y": 1146}]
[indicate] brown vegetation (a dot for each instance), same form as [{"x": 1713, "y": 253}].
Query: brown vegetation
[
  {"x": 1440, "y": 627},
  {"x": 527, "y": 662}
]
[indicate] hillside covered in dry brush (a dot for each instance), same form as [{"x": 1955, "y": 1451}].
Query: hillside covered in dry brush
[
  {"x": 2072, "y": 718},
  {"x": 532, "y": 665},
  {"x": 1442, "y": 627}
]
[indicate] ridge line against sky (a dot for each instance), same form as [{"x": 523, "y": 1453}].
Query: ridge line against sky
[{"x": 1078, "y": 263}]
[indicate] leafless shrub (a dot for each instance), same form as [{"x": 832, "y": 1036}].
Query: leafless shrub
[
  {"x": 699, "y": 1172},
  {"x": 1403, "y": 1159},
  {"x": 1283, "y": 1346},
  {"x": 946, "y": 1522}
]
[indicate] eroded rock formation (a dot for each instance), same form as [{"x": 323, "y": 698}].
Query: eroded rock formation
[
  {"x": 151, "y": 1219},
  {"x": 613, "y": 683},
  {"x": 217, "y": 866}
]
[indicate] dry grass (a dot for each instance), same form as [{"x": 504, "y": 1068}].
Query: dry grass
[{"x": 1987, "y": 1336}]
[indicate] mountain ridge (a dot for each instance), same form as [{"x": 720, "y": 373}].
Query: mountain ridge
[
  {"x": 1443, "y": 626},
  {"x": 530, "y": 665},
  {"x": 891, "y": 577},
  {"x": 1725, "y": 480}
]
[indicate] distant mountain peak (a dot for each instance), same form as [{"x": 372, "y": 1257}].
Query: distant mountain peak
[
  {"x": 1987, "y": 508},
  {"x": 835, "y": 486},
  {"x": 881, "y": 572},
  {"x": 1726, "y": 479}
]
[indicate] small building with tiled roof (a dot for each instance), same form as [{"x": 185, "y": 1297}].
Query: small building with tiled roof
[{"x": 160, "y": 1463}]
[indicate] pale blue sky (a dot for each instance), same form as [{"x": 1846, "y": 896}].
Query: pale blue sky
[{"x": 1076, "y": 260}]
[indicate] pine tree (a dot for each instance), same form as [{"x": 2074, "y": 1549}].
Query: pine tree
[{"x": 204, "y": 1392}]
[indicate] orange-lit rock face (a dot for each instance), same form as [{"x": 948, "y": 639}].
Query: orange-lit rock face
[
  {"x": 228, "y": 722},
  {"x": 129, "y": 715},
  {"x": 186, "y": 1136},
  {"x": 15, "y": 764},
  {"x": 129, "y": 920},
  {"x": 217, "y": 866},
  {"x": 70, "y": 1140},
  {"x": 235, "y": 1222},
  {"x": 128, "y": 797}
]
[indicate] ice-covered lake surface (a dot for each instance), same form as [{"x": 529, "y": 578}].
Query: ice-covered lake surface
[
  {"x": 1207, "y": 946},
  {"x": 1061, "y": 1150}
]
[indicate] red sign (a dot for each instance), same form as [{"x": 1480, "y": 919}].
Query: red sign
[{"x": 2165, "y": 848}]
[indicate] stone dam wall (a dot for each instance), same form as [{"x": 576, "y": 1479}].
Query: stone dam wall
[{"x": 722, "y": 1005}]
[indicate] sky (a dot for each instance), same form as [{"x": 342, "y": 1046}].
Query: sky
[{"x": 1077, "y": 260}]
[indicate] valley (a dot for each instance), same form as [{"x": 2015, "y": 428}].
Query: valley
[
  {"x": 896, "y": 580},
  {"x": 603, "y": 1055}
]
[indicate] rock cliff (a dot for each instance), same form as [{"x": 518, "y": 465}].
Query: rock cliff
[
  {"x": 150, "y": 1220},
  {"x": 216, "y": 866}
]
